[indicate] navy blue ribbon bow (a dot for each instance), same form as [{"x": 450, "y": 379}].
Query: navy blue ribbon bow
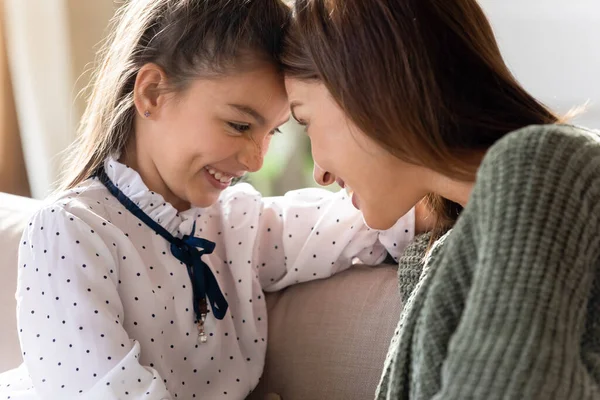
[{"x": 186, "y": 250}]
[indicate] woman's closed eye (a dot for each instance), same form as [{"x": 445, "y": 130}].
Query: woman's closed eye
[
  {"x": 300, "y": 121},
  {"x": 303, "y": 124}
]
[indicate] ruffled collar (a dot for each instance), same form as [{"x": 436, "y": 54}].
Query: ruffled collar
[{"x": 153, "y": 204}]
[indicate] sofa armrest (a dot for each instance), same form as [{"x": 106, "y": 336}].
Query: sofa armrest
[
  {"x": 15, "y": 212},
  {"x": 328, "y": 338}
]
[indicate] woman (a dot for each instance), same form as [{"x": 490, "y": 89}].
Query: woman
[{"x": 405, "y": 100}]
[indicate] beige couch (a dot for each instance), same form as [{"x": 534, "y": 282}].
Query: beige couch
[{"x": 327, "y": 339}]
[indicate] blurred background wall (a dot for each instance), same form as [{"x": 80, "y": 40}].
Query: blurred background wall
[
  {"x": 50, "y": 45},
  {"x": 553, "y": 48},
  {"x": 47, "y": 48}
]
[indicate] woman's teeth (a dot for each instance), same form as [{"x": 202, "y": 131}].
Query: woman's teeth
[
  {"x": 219, "y": 175},
  {"x": 349, "y": 190}
]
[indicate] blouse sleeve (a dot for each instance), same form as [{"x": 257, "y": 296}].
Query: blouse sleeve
[
  {"x": 70, "y": 316},
  {"x": 308, "y": 234}
]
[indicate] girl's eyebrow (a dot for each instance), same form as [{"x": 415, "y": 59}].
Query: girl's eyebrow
[{"x": 251, "y": 112}]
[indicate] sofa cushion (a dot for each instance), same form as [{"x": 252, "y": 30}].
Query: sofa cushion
[
  {"x": 328, "y": 339},
  {"x": 14, "y": 214}
]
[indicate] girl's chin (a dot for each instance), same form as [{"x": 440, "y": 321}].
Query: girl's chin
[{"x": 204, "y": 201}]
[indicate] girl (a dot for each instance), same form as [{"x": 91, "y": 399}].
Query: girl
[
  {"x": 411, "y": 99},
  {"x": 145, "y": 278}
]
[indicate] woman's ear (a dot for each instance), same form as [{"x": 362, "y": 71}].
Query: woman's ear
[{"x": 148, "y": 95}]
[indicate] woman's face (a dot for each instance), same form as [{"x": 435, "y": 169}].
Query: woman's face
[{"x": 384, "y": 187}]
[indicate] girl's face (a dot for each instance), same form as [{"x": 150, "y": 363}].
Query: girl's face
[
  {"x": 384, "y": 187},
  {"x": 190, "y": 145}
]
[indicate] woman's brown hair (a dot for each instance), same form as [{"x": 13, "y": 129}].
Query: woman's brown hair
[{"x": 424, "y": 78}]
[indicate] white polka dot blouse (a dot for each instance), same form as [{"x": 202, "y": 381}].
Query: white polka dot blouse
[{"x": 105, "y": 311}]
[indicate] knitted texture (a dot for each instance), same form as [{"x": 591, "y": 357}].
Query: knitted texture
[{"x": 507, "y": 304}]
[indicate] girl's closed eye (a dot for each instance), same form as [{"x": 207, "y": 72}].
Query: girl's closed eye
[
  {"x": 239, "y": 127},
  {"x": 245, "y": 128}
]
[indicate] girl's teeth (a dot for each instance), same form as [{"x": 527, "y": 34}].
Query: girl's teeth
[
  {"x": 349, "y": 190},
  {"x": 219, "y": 176}
]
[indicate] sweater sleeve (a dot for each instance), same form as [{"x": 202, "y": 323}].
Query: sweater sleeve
[{"x": 531, "y": 231}]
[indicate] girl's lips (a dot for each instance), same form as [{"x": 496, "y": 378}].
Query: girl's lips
[
  {"x": 215, "y": 182},
  {"x": 223, "y": 174}
]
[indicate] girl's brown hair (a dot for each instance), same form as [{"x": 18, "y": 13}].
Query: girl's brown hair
[
  {"x": 188, "y": 39},
  {"x": 424, "y": 78}
]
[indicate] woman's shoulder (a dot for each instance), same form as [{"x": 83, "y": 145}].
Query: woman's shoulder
[
  {"x": 565, "y": 149},
  {"x": 550, "y": 138},
  {"x": 551, "y": 171}
]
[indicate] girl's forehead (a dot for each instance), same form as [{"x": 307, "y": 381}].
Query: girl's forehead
[
  {"x": 259, "y": 93},
  {"x": 257, "y": 85}
]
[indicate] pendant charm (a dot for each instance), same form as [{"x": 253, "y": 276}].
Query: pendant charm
[{"x": 202, "y": 338}]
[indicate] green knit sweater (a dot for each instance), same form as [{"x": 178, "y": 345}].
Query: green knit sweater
[{"x": 507, "y": 304}]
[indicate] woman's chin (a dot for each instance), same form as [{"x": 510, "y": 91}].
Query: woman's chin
[{"x": 375, "y": 220}]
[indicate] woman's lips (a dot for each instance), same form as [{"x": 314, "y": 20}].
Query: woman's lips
[
  {"x": 355, "y": 201},
  {"x": 350, "y": 193},
  {"x": 353, "y": 196}
]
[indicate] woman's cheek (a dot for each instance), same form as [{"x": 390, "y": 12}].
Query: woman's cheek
[{"x": 318, "y": 152}]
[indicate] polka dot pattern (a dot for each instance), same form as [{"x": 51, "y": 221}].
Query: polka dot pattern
[{"x": 105, "y": 310}]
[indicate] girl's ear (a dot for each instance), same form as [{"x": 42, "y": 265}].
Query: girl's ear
[{"x": 148, "y": 93}]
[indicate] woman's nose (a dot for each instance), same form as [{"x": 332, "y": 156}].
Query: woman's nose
[{"x": 322, "y": 177}]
